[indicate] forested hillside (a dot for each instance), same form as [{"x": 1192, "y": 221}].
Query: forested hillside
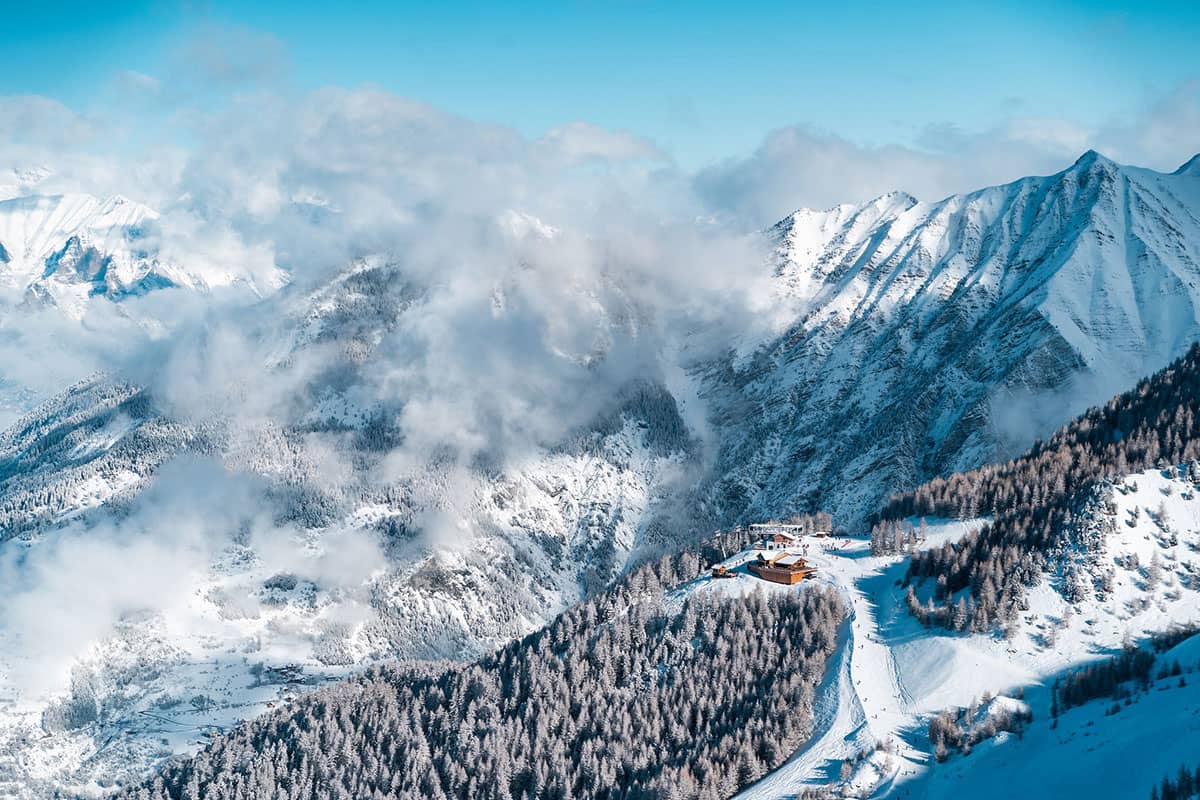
[
  {"x": 1035, "y": 499},
  {"x": 627, "y": 695}
]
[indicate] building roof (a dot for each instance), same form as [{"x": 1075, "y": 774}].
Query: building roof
[{"x": 789, "y": 560}]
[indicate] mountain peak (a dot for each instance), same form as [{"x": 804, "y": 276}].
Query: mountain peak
[
  {"x": 1189, "y": 167},
  {"x": 1092, "y": 159},
  {"x": 894, "y": 198}
]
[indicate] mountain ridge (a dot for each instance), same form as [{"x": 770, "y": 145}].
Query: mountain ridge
[
  {"x": 62, "y": 250},
  {"x": 924, "y": 318}
]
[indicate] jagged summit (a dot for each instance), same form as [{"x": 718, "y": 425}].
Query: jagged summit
[
  {"x": 62, "y": 250},
  {"x": 33, "y": 226},
  {"x": 98, "y": 238}
]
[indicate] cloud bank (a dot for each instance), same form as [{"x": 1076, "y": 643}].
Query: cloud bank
[{"x": 532, "y": 279}]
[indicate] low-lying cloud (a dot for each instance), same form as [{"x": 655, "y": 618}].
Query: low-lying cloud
[
  {"x": 68, "y": 592},
  {"x": 545, "y": 274}
]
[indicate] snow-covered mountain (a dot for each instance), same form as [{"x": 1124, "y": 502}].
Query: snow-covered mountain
[
  {"x": 934, "y": 337},
  {"x": 85, "y": 280},
  {"x": 925, "y": 337},
  {"x": 65, "y": 249},
  {"x": 439, "y": 558}
]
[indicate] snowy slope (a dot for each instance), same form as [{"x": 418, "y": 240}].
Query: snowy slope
[
  {"x": 935, "y": 337},
  {"x": 34, "y": 227},
  {"x": 311, "y": 547},
  {"x": 927, "y": 336},
  {"x": 1088, "y": 754},
  {"x": 893, "y": 674},
  {"x": 64, "y": 249}
]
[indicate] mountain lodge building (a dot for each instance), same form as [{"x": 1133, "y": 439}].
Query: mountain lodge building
[
  {"x": 781, "y": 535},
  {"x": 784, "y": 567},
  {"x": 780, "y": 540}
]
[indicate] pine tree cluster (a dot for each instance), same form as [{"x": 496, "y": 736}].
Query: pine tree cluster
[
  {"x": 1035, "y": 498},
  {"x": 1102, "y": 679},
  {"x": 46, "y": 459},
  {"x": 959, "y": 730},
  {"x": 1111, "y": 677},
  {"x": 1183, "y": 786},
  {"x": 623, "y": 696},
  {"x": 894, "y": 536}
]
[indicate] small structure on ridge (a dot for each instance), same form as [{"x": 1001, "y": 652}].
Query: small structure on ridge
[{"x": 784, "y": 567}]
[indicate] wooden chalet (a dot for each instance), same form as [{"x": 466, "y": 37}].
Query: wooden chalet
[
  {"x": 779, "y": 540},
  {"x": 786, "y": 568}
]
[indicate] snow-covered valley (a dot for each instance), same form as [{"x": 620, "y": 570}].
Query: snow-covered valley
[{"x": 253, "y": 619}]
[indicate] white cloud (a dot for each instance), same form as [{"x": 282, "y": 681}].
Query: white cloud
[
  {"x": 1164, "y": 137},
  {"x": 510, "y": 340},
  {"x": 801, "y": 166},
  {"x": 582, "y": 141}
]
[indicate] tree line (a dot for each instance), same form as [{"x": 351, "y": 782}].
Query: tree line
[
  {"x": 1035, "y": 499},
  {"x": 959, "y": 730},
  {"x": 1101, "y": 679},
  {"x": 1183, "y": 785},
  {"x": 626, "y": 695}
]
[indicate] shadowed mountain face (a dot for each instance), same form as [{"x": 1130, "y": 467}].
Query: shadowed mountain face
[
  {"x": 62, "y": 250},
  {"x": 938, "y": 336}
]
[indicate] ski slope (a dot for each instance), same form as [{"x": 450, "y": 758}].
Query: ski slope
[{"x": 892, "y": 675}]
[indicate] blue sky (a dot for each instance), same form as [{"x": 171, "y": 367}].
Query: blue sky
[{"x": 704, "y": 80}]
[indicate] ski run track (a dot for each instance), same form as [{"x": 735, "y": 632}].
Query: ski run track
[{"x": 891, "y": 674}]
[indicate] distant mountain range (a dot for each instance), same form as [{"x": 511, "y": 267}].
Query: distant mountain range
[
  {"x": 74, "y": 270},
  {"x": 63, "y": 250}
]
